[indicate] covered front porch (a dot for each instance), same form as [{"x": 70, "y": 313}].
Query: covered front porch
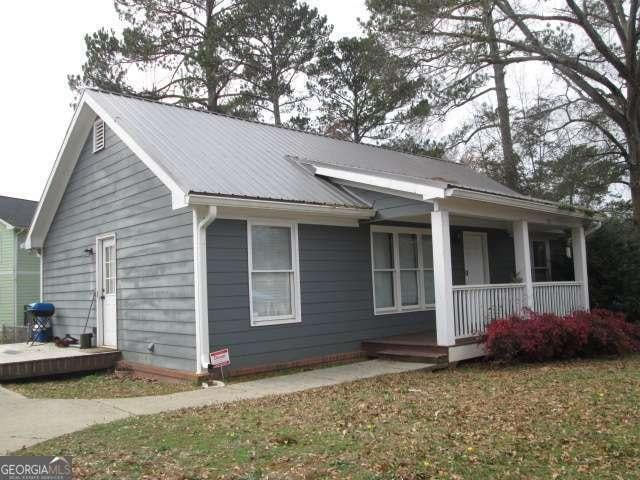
[
  {"x": 546, "y": 255},
  {"x": 476, "y": 261}
]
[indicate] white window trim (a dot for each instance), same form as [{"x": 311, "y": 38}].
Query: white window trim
[
  {"x": 296, "y": 317},
  {"x": 397, "y": 289}
]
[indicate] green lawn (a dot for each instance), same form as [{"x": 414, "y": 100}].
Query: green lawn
[
  {"x": 565, "y": 420},
  {"x": 94, "y": 385}
]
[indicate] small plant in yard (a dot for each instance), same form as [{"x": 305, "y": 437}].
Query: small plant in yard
[{"x": 537, "y": 337}]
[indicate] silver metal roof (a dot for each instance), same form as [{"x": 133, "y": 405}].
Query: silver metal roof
[{"x": 220, "y": 155}]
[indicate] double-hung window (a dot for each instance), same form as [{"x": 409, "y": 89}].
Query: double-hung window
[
  {"x": 274, "y": 273},
  {"x": 402, "y": 261},
  {"x": 409, "y": 270}
]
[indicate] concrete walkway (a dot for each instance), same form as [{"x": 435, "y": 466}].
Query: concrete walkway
[{"x": 25, "y": 422}]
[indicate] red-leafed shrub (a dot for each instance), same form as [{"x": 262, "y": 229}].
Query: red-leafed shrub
[
  {"x": 503, "y": 340},
  {"x": 536, "y": 337},
  {"x": 610, "y": 333}
]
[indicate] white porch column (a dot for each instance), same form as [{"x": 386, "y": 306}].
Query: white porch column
[
  {"x": 443, "y": 277},
  {"x": 579, "y": 248},
  {"x": 523, "y": 259}
]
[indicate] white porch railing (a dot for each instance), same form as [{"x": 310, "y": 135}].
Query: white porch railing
[
  {"x": 474, "y": 306},
  {"x": 557, "y": 297}
]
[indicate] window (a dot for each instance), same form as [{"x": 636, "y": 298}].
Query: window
[
  {"x": 109, "y": 282},
  {"x": 540, "y": 260},
  {"x": 98, "y": 135},
  {"x": 402, "y": 263},
  {"x": 409, "y": 269},
  {"x": 274, "y": 280},
  {"x": 383, "y": 269}
]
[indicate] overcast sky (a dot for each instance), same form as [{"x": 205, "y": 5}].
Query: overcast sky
[{"x": 39, "y": 46}]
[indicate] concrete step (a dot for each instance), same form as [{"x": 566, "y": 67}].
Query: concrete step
[
  {"x": 410, "y": 355},
  {"x": 375, "y": 345}
]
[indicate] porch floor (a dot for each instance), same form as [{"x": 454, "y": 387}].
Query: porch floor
[
  {"x": 421, "y": 346},
  {"x": 22, "y": 360}
]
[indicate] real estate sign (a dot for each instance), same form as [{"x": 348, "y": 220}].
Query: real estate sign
[{"x": 220, "y": 358}]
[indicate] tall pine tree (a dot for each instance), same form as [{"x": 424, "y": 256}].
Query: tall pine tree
[
  {"x": 184, "y": 44},
  {"x": 277, "y": 41},
  {"x": 363, "y": 89}
]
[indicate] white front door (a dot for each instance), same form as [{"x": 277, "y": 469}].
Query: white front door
[
  {"x": 106, "y": 281},
  {"x": 476, "y": 262}
]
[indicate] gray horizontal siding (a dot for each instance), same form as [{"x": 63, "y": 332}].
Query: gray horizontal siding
[
  {"x": 336, "y": 295},
  {"x": 112, "y": 191}
]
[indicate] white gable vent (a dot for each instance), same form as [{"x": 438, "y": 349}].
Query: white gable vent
[{"x": 98, "y": 135}]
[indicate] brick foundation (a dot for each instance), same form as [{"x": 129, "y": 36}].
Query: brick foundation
[{"x": 170, "y": 375}]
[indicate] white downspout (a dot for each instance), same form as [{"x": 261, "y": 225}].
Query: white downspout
[
  {"x": 16, "y": 252},
  {"x": 202, "y": 218},
  {"x": 40, "y": 253}
]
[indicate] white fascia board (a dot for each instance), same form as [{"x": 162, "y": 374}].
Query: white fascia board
[
  {"x": 65, "y": 161},
  {"x": 278, "y": 206},
  {"x": 523, "y": 203},
  {"x": 68, "y": 155},
  {"x": 424, "y": 191}
]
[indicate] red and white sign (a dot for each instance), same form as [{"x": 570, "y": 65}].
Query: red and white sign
[{"x": 220, "y": 358}]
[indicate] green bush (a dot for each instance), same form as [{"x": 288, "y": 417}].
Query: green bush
[{"x": 614, "y": 267}]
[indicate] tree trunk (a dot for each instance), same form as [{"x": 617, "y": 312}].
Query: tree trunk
[
  {"x": 634, "y": 178},
  {"x": 509, "y": 162},
  {"x": 275, "y": 101},
  {"x": 212, "y": 98},
  {"x": 209, "y": 66},
  {"x": 357, "y": 138}
]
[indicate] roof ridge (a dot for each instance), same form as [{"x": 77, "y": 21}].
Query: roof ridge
[{"x": 282, "y": 127}]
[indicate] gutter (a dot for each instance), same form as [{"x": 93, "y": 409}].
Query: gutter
[
  {"x": 16, "y": 252},
  {"x": 431, "y": 190},
  {"x": 525, "y": 203},
  {"x": 195, "y": 199}
]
